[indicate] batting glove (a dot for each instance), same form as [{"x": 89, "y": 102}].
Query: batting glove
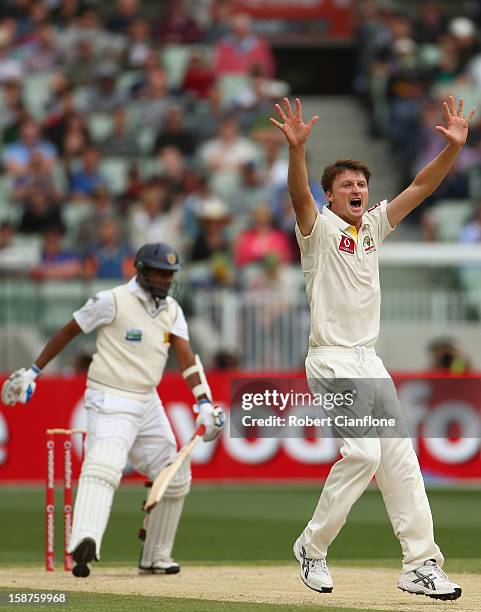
[
  {"x": 212, "y": 417},
  {"x": 20, "y": 386}
]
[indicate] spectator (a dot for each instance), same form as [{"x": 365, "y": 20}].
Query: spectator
[
  {"x": 109, "y": 258},
  {"x": 261, "y": 239},
  {"x": 38, "y": 175},
  {"x": 56, "y": 263},
  {"x": 122, "y": 141},
  {"x": 430, "y": 24},
  {"x": 88, "y": 178},
  {"x": 173, "y": 166},
  {"x": 16, "y": 156},
  {"x": 208, "y": 114},
  {"x": 66, "y": 12},
  {"x": 254, "y": 102},
  {"x": 275, "y": 173},
  {"x": 447, "y": 357},
  {"x": 104, "y": 96},
  {"x": 252, "y": 191},
  {"x": 154, "y": 98},
  {"x": 176, "y": 25},
  {"x": 103, "y": 208},
  {"x": 198, "y": 76},
  {"x": 139, "y": 44},
  {"x": 465, "y": 37},
  {"x": 135, "y": 185},
  {"x": 44, "y": 52},
  {"x": 39, "y": 213},
  {"x": 406, "y": 89},
  {"x": 76, "y": 139},
  {"x": 174, "y": 133},
  {"x": 126, "y": 12},
  {"x": 154, "y": 220},
  {"x": 83, "y": 63},
  {"x": 57, "y": 118},
  {"x": 10, "y": 68},
  {"x": 229, "y": 150},
  {"x": 212, "y": 238},
  {"x": 7, "y": 233},
  {"x": 241, "y": 50},
  {"x": 13, "y": 111}
]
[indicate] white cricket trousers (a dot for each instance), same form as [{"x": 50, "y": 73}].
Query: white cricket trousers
[{"x": 391, "y": 460}]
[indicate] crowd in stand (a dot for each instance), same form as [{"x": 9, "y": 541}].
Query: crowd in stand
[
  {"x": 119, "y": 127},
  {"x": 409, "y": 60},
  {"x": 131, "y": 121}
]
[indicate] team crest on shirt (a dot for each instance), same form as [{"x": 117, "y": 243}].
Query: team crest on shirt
[
  {"x": 368, "y": 244},
  {"x": 133, "y": 335},
  {"x": 347, "y": 245}
]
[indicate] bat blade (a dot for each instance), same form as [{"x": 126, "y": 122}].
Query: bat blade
[{"x": 161, "y": 483}]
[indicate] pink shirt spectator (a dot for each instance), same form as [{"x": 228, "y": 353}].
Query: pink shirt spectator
[
  {"x": 253, "y": 245},
  {"x": 241, "y": 50}
]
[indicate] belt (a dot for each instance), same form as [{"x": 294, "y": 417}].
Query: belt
[{"x": 360, "y": 351}]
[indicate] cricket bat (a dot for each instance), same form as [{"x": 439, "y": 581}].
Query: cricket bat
[{"x": 165, "y": 475}]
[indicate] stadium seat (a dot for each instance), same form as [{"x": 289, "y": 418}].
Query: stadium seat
[
  {"x": 100, "y": 126},
  {"x": 36, "y": 91},
  {"x": 230, "y": 85},
  {"x": 126, "y": 80},
  {"x": 73, "y": 213},
  {"x": 114, "y": 170},
  {"x": 59, "y": 299},
  {"x": 449, "y": 217},
  {"x": 146, "y": 139}
]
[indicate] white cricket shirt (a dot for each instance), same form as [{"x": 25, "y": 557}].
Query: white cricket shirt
[
  {"x": 133, "y": 339},
  {"x": 342, "y": 277}
]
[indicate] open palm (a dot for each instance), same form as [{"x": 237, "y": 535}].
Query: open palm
[
  {"x": 294, "y": 128},
  {"x": 456, "y": 129}
]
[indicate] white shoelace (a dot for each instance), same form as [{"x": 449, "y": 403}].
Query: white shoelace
[{"x": 319, "y": 562}]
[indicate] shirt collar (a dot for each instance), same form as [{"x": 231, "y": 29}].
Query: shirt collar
[
  {"x": 333, "y": 218},
  {"x": 340, "y": 223},
  {"x": 152, "y": 306}
]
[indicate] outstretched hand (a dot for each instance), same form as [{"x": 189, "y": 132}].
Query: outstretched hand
[
  {"x": 294, "y": 128},
  {"x": 456, "y": 130}
]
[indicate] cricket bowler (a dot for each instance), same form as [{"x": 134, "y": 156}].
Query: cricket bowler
[
  {"x": 136, "y": 324},
  {"x": 339, "y": 257}
]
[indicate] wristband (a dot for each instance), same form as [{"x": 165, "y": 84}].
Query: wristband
[{"x": 36, "y": 369}]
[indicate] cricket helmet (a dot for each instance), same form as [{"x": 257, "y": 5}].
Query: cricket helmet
[{"x": 158, "y": 256}]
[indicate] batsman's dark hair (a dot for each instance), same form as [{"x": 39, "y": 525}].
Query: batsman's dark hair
[{"x": 332, "y": 171}]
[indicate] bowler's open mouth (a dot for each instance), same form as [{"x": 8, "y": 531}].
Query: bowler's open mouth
[{"x": 356, "y": 203}]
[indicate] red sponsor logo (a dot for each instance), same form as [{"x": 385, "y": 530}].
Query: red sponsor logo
[{"x": 347, "y": 245}]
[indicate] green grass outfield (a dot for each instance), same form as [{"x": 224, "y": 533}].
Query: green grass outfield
[
  {"x": 242, "y": 525},
  {"x": 95, "y": 602}
]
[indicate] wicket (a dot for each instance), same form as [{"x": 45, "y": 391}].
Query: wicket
[{"x": 67, "y": 435}]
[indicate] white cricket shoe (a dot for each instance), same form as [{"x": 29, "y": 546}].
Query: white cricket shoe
[
  {"x": 314, "y": 572},
  {"x": 429, "y": 580},
  {"x": 161, "y": 566}
]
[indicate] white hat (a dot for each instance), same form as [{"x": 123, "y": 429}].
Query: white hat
[
  {"x": 461, "y": 27},
  {"x": 213, "y": 209}
]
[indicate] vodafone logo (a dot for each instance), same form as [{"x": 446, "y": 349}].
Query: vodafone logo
[
  {"x": 347, "y": 245},
  {"x": 3, "y": 440}
]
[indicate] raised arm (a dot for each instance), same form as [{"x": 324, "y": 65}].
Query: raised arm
[
  {"x": 431, "y": 176},
  {"x": 297, "y": 133}
]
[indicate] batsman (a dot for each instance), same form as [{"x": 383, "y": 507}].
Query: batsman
[{"x": 136, "y": 324}]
